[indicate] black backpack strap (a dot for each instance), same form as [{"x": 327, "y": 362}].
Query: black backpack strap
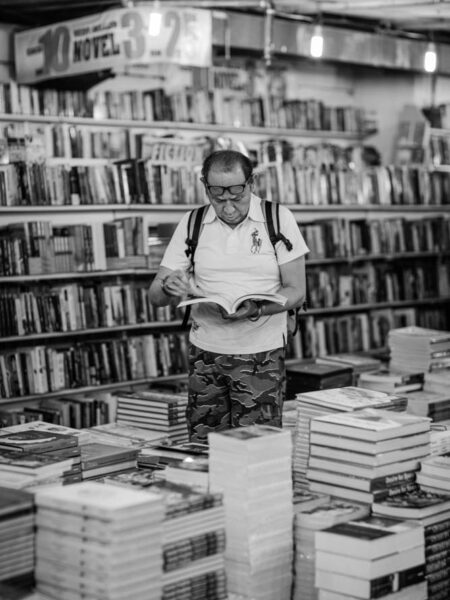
[
  {"x": 271, "y": 212},
  {"x": 194, "y": 226}
]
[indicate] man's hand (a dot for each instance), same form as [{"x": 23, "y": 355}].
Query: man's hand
[
  {"x": 177, "y": 283},
  {"x": 249, "y": 309}
]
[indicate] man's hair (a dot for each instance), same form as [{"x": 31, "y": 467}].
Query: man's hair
[{"x": 227, "y": 161}]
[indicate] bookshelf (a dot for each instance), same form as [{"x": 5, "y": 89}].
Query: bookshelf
[{"x": 363, "y": 225}]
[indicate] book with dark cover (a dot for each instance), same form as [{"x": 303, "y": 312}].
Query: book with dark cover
[
  {"x": 14, "y": 501},
  {"x": 34, "y": 440},
  {"x": 25, "y": 462},
  {"x": 414, "y": 505},
  {"x": 310, "y": 376},
  {"x": 370, "y": 537},
  {"x": 95, "y": 454}
]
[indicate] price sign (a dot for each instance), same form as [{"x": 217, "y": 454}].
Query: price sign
[{"x": 114, "y": 38}]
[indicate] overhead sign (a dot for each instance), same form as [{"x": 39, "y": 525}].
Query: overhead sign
[{"x": 114, "y": 38}]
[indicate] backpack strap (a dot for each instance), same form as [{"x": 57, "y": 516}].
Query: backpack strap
[
  {"x": 271, "y": 212},
  {"x": 194, "y": 226}
]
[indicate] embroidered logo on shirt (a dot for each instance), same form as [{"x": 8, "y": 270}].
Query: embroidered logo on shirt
[{"x": 256, "y": 242}]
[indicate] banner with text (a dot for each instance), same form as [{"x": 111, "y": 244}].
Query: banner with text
[{"x": 114, "y": 38}]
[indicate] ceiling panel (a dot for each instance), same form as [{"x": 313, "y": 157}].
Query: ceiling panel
[{"x": 414, "y": 16}]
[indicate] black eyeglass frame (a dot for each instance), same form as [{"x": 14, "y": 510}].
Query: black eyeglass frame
[{"x": 227, "y": 188}]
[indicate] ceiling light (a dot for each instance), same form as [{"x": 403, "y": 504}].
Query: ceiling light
[
  {"x": 316, "y": 47},
  {"x": 430, "y": 58},
  {"x": 154, "y": 20}
]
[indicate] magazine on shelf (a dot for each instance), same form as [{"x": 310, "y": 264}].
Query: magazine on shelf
[{"x": 231, "y": 306}]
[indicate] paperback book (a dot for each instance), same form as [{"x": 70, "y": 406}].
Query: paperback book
[{"x": 231, "y": 306}]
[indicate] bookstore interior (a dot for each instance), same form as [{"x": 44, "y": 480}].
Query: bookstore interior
[{"x": 107, "y": 112}]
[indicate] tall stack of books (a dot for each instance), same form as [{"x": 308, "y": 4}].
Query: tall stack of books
[
  {"x": 322, "y": 402},
  {"x": 193, "y": 544},
  {"x": 251, "y": 466},
  {"x": 418, "y": 349},
  {"x": 368, "y": 454},
  {"x": 98, "y": 541},
  {"x": 157, "y": 411},
  {"x": 16, "y": 534},
  {"x": 193, "y": 539},
  {"x": 372, "y": 557},
  {"x": 307, "y": 520},
  {"x": 432, "y": 511}
]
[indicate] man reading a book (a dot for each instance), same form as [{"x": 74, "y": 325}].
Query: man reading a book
[{"x": 237, "y": 361}]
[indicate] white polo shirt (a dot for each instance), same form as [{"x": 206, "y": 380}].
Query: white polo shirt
[{"x": 233, "y": 262}]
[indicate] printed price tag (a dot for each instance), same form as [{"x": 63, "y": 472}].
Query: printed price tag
[{"x": 114, "y": 38}]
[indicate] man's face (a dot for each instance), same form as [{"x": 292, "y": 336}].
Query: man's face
[{"x": 231, "y": 205}]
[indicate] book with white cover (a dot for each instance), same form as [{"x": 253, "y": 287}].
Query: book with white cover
[
  {"x": 97, "y": 499},
  {"x": 371, "y": 425},
  {"x": 369, "y": 569},
  {"x": 369, "y": 460},
  {"x": 366, "y": 472},
  {"x": 346, "y": 398},
  {"x": 367, "y": 446},
  {"x": 419, "y": 591},
  {"x": 231, "y": 306}
]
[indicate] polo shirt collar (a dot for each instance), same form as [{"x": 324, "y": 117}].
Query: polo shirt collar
[{"x": 254, "y": 212}]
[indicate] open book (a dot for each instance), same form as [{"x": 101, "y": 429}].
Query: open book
[{"x": 231, "y": 307}]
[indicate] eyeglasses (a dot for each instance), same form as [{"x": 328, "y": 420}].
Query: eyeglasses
[{"x": 219, "y": 190}]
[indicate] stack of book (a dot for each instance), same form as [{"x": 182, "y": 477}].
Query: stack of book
[
  {"x": 27, "y": 470},
  {"x": 440, "y": 439},
  {"x": 418, "y": 349},
  {"x": 434, "y": 474},
  {"x": 193, "y": 472},
  {"x": 157, "y": 411},
  {"x": 36, "y": 456},
  {"x": 308, "y": 376},
  {"x": 435, "y": 405},
  {"x": 322, "y": 402},
  {"x": 307, "y": 520},
  {"x": 81, "y": 434},
  {"x": 193, "y": 544},
  {"x": 251, "y": 466},
  {"x": 98, "y": 541},
  {"x": 98, "y": 460},
  {"x": 432, "y": 511},
  {"x": 16, "y": 534},
  {"x": 359, "y": 363},
  {"x": 185, "y": 463},
  {"x": 372, "y": 557},
  {"x": 368, "y": 454},
  {"x": 193, "y": 539},
  {"x": 162, "y": 456},
  {"x": 129, "y": 436},
  {"x": 438, "y": 381},
  {"x": 387, "y": 380}
]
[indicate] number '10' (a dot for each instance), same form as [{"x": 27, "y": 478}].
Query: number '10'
[{"x": 56, "y": 49}]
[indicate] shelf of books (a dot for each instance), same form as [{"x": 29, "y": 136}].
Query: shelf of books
[{"x": 74, "y": 302}]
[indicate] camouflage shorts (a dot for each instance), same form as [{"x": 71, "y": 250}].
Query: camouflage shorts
[{"x": 234, "y": 390}]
